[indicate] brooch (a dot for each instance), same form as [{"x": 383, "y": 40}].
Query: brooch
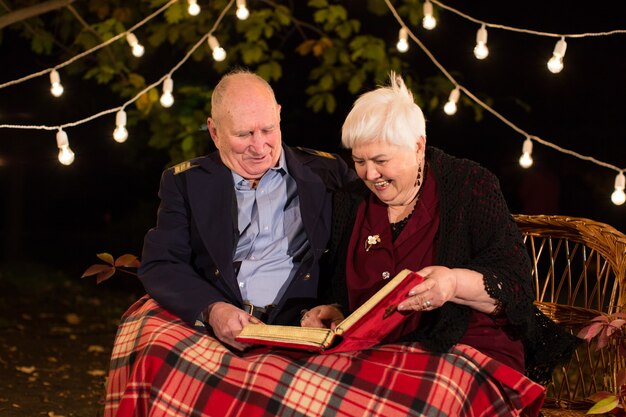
[{"x": 371, "y": 241}]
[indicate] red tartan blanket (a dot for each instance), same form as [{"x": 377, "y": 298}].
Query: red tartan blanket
[{"x": 162, "y": 367}]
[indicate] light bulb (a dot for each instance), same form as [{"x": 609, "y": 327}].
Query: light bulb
[
  {"x": 219, "y": 54},
  {"x": 428, "y": 22},
  {"x": 618, "y": 197},
  {"x": 66, "y": 156},
  {"x": 193, "y": 8},
  {"x": 167, "y": 99},
  {"x": 526, "y": 160},
  {"x": 403, "y": 43},
  {"x": 450, "y": 107},
  {"x": 555, "y": 64},
  {"x": 120, "y": 134},
  {"x": 480, "y": 50},
  {"x": 55, "y": 84},
  {"x": 242, "y": 11},
  {"x": 137, "y": 48}
]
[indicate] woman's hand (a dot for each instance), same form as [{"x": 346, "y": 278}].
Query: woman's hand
[
  {"x": 438, "y": 287},
  {"x": 324, "y": 317}
]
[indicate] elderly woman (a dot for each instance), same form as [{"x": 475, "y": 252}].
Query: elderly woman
[{"x": 418, "y": 208}]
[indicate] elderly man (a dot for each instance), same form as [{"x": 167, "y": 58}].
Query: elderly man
[{"x": 240, "y": 232}]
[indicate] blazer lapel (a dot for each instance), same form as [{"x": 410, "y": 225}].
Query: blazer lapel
[
  {"x": 212, "y": 199},
  {"x": 312, "y": 193}
]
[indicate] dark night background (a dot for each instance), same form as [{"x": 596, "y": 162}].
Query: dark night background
[{"x": 105, "y": 201}]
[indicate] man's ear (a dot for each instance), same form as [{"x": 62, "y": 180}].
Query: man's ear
[{"x": 210, "y": 123}]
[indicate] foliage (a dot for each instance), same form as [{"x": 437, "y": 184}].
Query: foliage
[
  {"x": 107, "y": 270},
  {"x": 607, "y": 330},
  {"x": 338, "y": 49}
]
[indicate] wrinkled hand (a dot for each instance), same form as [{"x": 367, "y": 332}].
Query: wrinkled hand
[
  {"x": 226, "y": 320},
  {"x": 438, "y": 287},
  {"x": 324, "y": 316}
]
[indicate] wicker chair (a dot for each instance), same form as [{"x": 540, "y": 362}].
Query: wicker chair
[{"x": 579, "y": 272}]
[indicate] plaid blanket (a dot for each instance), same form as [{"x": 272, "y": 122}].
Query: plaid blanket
[{"x": 162, "y": 367}]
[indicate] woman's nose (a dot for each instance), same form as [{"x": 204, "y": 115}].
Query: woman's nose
[{"x": 371, "y": 173}]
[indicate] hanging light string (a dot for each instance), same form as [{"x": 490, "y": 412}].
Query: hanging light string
[
  {"x": 489, "y": 108},
  {"x": 94, "y": 49},
  {"x": 527, "y": 31},
  {"x": 138, "y": 95}
]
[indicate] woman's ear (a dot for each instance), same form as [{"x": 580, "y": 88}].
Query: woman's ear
[{"x": 421, "y": 144}]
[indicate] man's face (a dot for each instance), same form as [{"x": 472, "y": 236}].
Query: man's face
[{"x": 246, "y": 129}]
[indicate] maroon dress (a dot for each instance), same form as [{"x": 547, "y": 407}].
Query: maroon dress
[{"x": 368, "y": 267}]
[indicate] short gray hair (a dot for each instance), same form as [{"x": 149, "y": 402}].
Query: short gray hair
[
  {"x": 237, "y": 74},
  {"x": 387, "y": 114}
]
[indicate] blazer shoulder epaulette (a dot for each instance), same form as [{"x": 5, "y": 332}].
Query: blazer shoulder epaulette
[
  {"x": 316, "y": 152},
  {"x": 183, "y": 166}
]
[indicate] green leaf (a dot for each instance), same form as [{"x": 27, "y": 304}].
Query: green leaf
[
  {"x": 283, "y": 15},
  {"x": 318, "y": 3},
  {"x": 175, "y": 13},
  {"x": 187, "y": 143},
  {"x": 330, "y": 102},
  {"x": 604, "y": 406}
]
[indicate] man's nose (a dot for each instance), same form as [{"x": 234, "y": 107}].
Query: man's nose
[{"x": 257, "y": 141}]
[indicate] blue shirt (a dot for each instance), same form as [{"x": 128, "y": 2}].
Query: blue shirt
[{"x": 272, "y": 239}]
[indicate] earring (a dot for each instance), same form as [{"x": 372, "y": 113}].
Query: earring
[{"x": 418, "y": 180}]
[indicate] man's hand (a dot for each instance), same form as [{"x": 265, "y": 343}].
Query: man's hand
[
  {"x": 226, "y": 320},
  {"x": 324, "y": 316}
]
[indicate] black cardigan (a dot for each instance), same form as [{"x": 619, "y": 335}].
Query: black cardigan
[{"x": 476, "y": 232}]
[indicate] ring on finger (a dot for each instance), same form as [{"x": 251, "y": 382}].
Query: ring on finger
[{"x": 427, "y": 304}]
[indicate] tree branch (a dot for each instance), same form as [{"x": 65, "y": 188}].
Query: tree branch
[{"x": 32, "y": 11}]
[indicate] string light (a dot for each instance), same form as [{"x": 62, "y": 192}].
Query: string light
[
  {"x": 167, "y": 99},
  {"x": 242, "y": 11},
  {"x": 450, "y": 107},
  {"x": 480, "y": 50},
  {"x": 55, "y": 83},
  {"x": 66, "y": 155},
  {"x": 219, "y": 54},
  {"x": 526, "y": 160},
  {"x": 428, "y": 22},
  {"x": 403, "y": 40},
  {"x": 120, "y": 134},
  {"x": 555, "y": 64},
  {"x": 193, "y": 9},
  {"x": 137, "y": 48},
  {"x": 618, "y": 197}
]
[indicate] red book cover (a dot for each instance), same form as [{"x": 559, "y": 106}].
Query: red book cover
[{"x": 365, "y": 327}]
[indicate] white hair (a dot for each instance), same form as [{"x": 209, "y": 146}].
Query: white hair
[{"x": 386, "y": 114}]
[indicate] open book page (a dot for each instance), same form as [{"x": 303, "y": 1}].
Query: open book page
[{"x": 365, "y": 327}]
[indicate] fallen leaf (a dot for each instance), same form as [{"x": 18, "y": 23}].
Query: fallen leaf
[
  {"x": 53, "y": 414},
  {"x": 95, "y": 349},
  {"x": 96, "y": 372},
  {"x": 26, "y": 369},
  {"x": 72, "y": 318}
]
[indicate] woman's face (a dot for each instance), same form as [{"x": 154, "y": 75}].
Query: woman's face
[{"x": 390, "y": 171}]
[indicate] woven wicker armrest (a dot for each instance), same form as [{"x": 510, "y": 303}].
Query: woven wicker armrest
[{"x": 579, "y": 268}]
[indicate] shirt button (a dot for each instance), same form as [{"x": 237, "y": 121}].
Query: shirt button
[
  {"x": 242, "y": 284},
  {"x": 306, "y": 277},
  {"x": 217, "y": 272},
  {"x": 386, "y": 275}
]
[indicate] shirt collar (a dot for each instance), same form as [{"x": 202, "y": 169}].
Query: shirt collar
[{"x": 280, "y": 168}]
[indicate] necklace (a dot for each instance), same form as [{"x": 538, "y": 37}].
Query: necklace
[{"x": 397, "y": 227}]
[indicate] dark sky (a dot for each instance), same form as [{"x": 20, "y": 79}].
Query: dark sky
[{"x": 107, "y": 199}]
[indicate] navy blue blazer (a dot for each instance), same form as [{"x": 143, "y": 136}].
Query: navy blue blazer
[{"x": 187, "y": 259}]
